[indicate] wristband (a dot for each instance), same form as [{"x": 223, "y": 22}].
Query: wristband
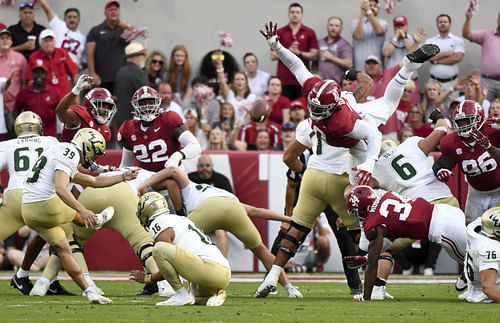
[
  {"x": 147, "y": 279},
  {"x": 369, "y": 12},
  {"x": 75, "y": 90},
  {"x": 441, "y": 128},
  {"x": 219, "y": 70}
]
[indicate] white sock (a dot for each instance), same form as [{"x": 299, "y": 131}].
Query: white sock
[
  {"x": 288, "y": 286},
  {"x": 22, "y": 273},
  {"x": 89, "y": 290},
  {"x": 275, "y": 271}
]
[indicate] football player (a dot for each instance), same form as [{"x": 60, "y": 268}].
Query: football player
[
  {"x": 211, "y": 209},
  {"x": 483, "y": 258},
  {"x": 17, "y": 156},
  {"x": 474, "y": 147},
  {"x": 394, "y": 216},
  {"x": 181, "y": 248},
  {"x": 336, "y": 117},
  {"x": 48, "y": 206}
]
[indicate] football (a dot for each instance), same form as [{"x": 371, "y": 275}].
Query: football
[{"x": 259, "y": 110}]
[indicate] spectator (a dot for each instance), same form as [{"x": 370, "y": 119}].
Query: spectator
[
  {"x": 209, "y": 67},
  {"x": 368, "y": 33},
  {"x": 156, "y": 68},
  {"x": 207, "y": 106},
  {"x": 494, "y": 111},
  {"x": 227, "y": 121},
  {"x": 238, "y": 94},
  {"x": 16, "y": 256},
  {"x": 298, "y": 111},
  {"x": 405, "y": 133},
  {"x": 490, "y": 43},
  {"x": 165, "y": 93},
  {"x": 419, "y": 252},
  {"x": 345, "y": 85},
  {"x": 59, "y": 65},
  {"x": 257, "y": 79},
  {"x": 433, "y": 98},
  {"x": 67, "y": 34},
  {"x": 40, "y": 99},
  {"x": 130, "y": 77},
  {"x": 25, "y": 33},
  {"x": 444, "y": 66},
  {"x": 106, "y": 48},
  {"x": 415, "y": 121},
  {"x": 302, "y": 41},
  {"x": 471, "y": 85},
  {"x": 335, "y": 52},
  {"x": 205, "y": 174},
  {"x": 216, "y": 140},
  {"x": 280, "y": 104},
  {"x": 248, "y": 133},
  {"x": 191, "y": 123},
  {"x": 12, "y": 67},
  {"x": 287, "y": 136},
  {"x": 263, "y": 140},
  {"x": 179, "y": 73},
  {"x": 405, "y": 103}
]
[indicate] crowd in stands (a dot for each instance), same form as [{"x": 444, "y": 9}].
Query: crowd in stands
[{"x": 40, "y": 64}]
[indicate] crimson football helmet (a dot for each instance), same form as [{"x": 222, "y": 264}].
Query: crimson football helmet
[
  {"x": 359, "y": 201},
  {"x": 323, "y": 99},
  {"x": 146, "y": 111},
  {"x": 467, "y": 116},
  {"x": 94, "y": 101}
]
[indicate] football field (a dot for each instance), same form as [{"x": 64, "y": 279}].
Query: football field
[{"x": 326, "y": 299}]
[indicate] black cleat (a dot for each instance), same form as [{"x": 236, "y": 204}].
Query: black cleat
[
  {"x": 148, "y": 289},
  {"x": 357, "y": 290},
  {"x": 56, "y": 289},
  {"x": 423, "y": 53},
  {"x": 23, "y": 284}
]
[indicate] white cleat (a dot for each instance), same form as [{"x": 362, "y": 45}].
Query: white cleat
[
  {"x": 164, "y": 289},
  {"x": 379, "y": 293},
  {"x": 92, "y": 284},
  {"x": 41, "y": 287},
  {"x": 265, "y": 288},
  {"x": 463, "y": 296},
  {"x": 293, "y": 292},
  {"x": 357, "y": 298},
  {"x": 178, "y": 300},
  {"x": 106, "y": 215},
  {"x": 95, "y": 298},
  {"x": 218, "y": 299}
]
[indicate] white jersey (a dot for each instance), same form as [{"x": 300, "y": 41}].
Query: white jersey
[
  {"x": 326, "y": 158},
  {"x": 73, "y": 41},
  {"x": 407, "y": 171},
  {"x": 19, "y": 155},
  {"x": 482, "y": 253},
  {"x": 194, "y": 194},
  {"x": 142, "y": 176},
  {"x": 39, "y": 184},
  {"x": 189, "y": 236}
]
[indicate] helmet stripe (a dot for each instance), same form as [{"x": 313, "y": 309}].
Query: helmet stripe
[{"x": 322, "y": 88}]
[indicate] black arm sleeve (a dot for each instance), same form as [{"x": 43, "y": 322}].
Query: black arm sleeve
[{"x": 444, "y": 161}]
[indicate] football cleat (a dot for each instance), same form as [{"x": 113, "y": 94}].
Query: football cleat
[
  {"x": 463, "y": 296},
  {"x": 293, "y": 292},
  {"x": 106, "y": 215},
  {"x": 95, "y": 298},
  {"x": 56, "y": 289},
  {"x": 218, "y": 299},
  {"x": 423, "y": 53},
  {"x": 148, "y": 289},
  {"x": 264, "y": 290},
  {"x": 379, "y": 293},
  {"x": 164, "y": 289},
  {"x": 92, "y": 284},
  {"x": 354, "y": 262},
  {"x": 178, "y": 300},
  {"x": 461, "y": 283},
  {"x": 41, "y": 287},
  {"x": 24, "y": 285}
]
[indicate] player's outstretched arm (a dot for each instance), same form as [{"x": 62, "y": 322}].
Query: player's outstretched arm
[
  {"x": 430, "y": 142},
  {"x": 374, "y": 248},
  {"x": 105, "y": 181},
  {"x": 166, "y": 173},
  {"x": 294, "y": 64}
]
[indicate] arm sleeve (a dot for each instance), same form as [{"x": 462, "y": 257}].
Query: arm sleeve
[
  {"x": 364, "y": 130},
  {"x": 128, "y": 158},
  {"x": 444, "y": 161},
  {"x": 294, "y": 64},
  {"x": 191, "y": 146}
]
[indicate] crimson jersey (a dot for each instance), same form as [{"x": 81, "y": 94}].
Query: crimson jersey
[
  {"x": 86, "y": 121},
  {"x": 480, "y": 167},
  {"x": 401, "y": 216},
  {"x": 334, "y": 128},
  {"x": 153, "y": 146}
]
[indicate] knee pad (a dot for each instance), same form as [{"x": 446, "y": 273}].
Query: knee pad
[
  {"x": 75, "y": 247},
  {"x": 386, "y": 257},
  {"x": 145, "y": 252},
  {"x": 293, "y": 240}
]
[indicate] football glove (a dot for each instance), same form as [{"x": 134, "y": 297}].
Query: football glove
[
  {"x": 83, "y": 83},
  {"x": 444, "y": 175},
  {"x": 174, "y": 160},
  {"x": 365, "y": 171},
  {"x": 480, "y": 138},
  {"x": 271, "y": 35}
]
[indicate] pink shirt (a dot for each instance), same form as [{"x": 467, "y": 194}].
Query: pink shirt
[
  {"x": 15, "y": 62},
  {"x": 490, "y": 41}
]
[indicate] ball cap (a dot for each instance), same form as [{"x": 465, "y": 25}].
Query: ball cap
[
  {"x": 400, "y": 20},
  {"x": 112, "y": 3},
  {"x": 134, "y": 49},
  {"x": 297, "y": 104},
  {"x": 372, "y": 58},
  {"x": 41, "y": 66},
  {"x": 5, "y": 31},
  {"x": 47, "y": 33}
]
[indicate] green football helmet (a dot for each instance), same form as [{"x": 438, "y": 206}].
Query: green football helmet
[
  {"x": 150, "y": 205},
  {"x": 490, "y": 223}
]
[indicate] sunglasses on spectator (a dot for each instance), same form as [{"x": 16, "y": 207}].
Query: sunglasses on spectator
[
  {"x": 287, "y": 127},
  {"x": 216, "y": 56},
  {"x": 414, "y": 112},
  {"x": 154, "y": 61},
  {"x": 26, "y": 4},
  {"x": 204, "y": 165}
]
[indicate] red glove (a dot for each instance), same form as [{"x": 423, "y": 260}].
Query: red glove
[
  {"x": 444, "y": 175},
  {"x": 481, "y": 139}
]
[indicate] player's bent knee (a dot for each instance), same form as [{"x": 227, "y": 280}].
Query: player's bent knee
[{"x": 295, "y": 243}]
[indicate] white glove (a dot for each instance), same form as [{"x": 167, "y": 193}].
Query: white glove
[
  {"x": 365, "y": 171},
  {"x": 82, "y": 83},
  {"x": 274, "y": 42},
  {"x": 174, "y": 160}
]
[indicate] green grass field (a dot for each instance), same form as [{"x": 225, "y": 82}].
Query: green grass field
[{"x": 322, "y": 302}]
